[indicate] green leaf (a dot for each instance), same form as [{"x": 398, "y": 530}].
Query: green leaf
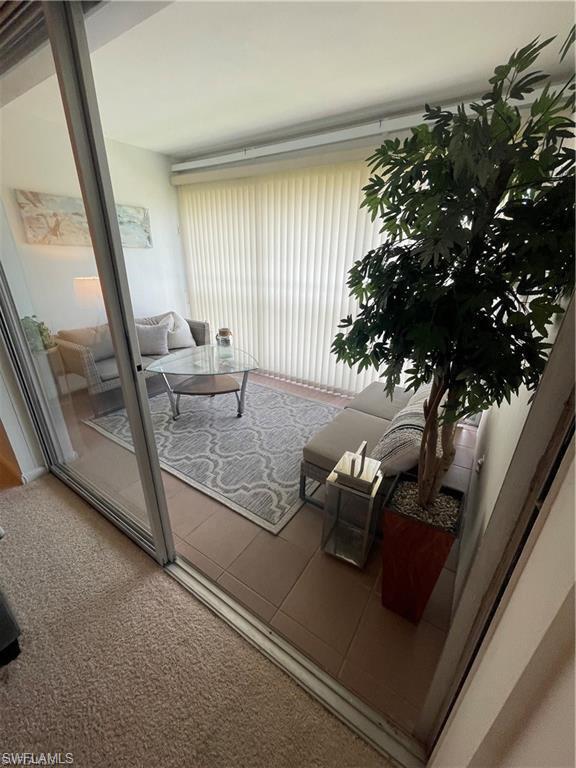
[{"x": 568, "y": 43}]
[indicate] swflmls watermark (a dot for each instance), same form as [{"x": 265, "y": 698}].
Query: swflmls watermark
[{"x": 36, "y": 758}]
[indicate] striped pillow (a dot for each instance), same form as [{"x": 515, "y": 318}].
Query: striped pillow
[{"x": 398, "y": 449}]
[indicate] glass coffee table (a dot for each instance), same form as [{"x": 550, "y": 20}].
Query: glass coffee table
[{"x": 204, "y": 371}]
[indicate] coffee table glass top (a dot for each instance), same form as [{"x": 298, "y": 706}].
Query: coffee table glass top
[{"x": 207, "y": 360}]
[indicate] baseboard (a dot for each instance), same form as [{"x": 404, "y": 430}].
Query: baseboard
[{"x": 33, "y": 474}]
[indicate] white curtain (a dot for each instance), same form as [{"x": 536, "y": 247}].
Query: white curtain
[{"x": 268, "y": 257}]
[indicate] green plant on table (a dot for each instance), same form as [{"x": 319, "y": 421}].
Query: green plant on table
[
  {"x": 37, "y": 333},
  {"x": 477, "y": 212}
]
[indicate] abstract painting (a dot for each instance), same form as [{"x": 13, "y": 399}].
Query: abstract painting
[{"x": 58, "y": 220}]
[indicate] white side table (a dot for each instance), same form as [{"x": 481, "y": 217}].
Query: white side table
[{"x": 350, "y": 520}]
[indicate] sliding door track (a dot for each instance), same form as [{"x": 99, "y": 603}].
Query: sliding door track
[{"x": 382, "y": 735}]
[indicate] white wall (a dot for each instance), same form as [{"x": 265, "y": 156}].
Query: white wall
[
  {"x": 36, "y": 155},
  {"x": 520, "y": 677},
  {"x": 546, "y": 737},
  {"x": 498, "y": 435}
]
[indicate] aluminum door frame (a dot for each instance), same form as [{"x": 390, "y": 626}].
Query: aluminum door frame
[{"x": 67, "y": 34}]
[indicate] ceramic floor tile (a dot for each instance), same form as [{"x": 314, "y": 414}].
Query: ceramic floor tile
[
  {"x": 310, "y": 645},
  {"x": 110, "y": 466},
  {"x": 305, "y": 529},
  {"x": 465, "y": 436},
  {"x": 189, "y": 509},
  {"x": 249, "y": 599},
  {"x": 400, "y": 655},
  {"x": 452, "y": 559},
  {"x": 458, "y": 478},
  {"x": 464, "y": 457},
  {"x": 438, "y": 611},
  {"x": 223, "y": 536},
  {"x": 172, "y": 485},
  {"x": 270, "y": 566},
  {"x": 328, "y": 601},
  {"x": 134, "y": 508},
  {"x": 365, "y": 685},
  {"x": 197, "y": 559},
  {"x": 89, "y": 438},
  {"x": 134, "y": 495}
]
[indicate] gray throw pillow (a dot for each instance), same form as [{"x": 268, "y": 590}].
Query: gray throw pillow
[
  {"x": 179, "y": 333},
  {"x": 153, "y": 339},
  {"x": 102, "y": 347},
  {"x": 398, "y": 449}
]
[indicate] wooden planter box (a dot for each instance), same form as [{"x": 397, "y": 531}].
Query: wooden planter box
[{"x": 413, "y": 555}]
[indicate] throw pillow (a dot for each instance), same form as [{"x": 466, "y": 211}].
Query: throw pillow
[
  {"x": 102, "y": 347},
  {"x": 155, "y": 319},
  {"x": 398, "y": 449},
  {"x": 181, "y": 336},
  {"x": 97, "y": 338},
  {"x": 153, "y": 339},
  {"x": 179, "y": 333},
  {"x": 420, "y": 395}
]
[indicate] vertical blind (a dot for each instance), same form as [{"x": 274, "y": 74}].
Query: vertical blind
[{"x": 268, "y": 257}]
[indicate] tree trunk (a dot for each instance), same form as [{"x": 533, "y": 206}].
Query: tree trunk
[
  {"x": 428, "y": 461},
  {"x": 448, "y": 453},
  {"x": 431, "y": 466}
]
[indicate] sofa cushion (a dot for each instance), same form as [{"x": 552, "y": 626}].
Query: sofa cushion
[
  {"x": 153, "y": 339},
  {"x": 97, "y": 338},
  {"x": 108, "y": 369},
  {"x": 376, "y": 402},
  {"x": 399, "y": 447},
  {"x": 179, "y": 333},
  {"x": 344, "y": 433}
]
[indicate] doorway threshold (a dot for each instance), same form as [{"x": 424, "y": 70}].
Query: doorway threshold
[{"x": 380, "y": 733}]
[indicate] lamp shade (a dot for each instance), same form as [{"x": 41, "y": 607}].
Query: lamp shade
[{"x": 88, "y": 291}]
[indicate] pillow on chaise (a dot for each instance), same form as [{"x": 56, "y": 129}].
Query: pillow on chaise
[{"x": 398, "y": 449}]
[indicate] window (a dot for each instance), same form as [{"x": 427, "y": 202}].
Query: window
[{"x": 267, "y": 257}]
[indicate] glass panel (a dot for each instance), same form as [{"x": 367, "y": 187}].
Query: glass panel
[
  {"x": 208, "y": 360},
  {"x": 267, "y": 253},
  {"x": 266, "y": 256},
  {"x": 51, "y": 271}
]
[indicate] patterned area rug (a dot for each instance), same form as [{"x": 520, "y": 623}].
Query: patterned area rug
[{"x": 252, "y": 464}]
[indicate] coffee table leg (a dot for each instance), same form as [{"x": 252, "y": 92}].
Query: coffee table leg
[
  {"x": 242, "y": 394},
  {"x": 173, "y": 403}
]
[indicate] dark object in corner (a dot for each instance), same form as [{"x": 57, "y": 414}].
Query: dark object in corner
[
  {"x": 9, "y": 653},
  {"x": 9, "y": 633}
]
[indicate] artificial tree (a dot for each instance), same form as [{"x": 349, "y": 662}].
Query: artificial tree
[{"x": 477, "y": 211}]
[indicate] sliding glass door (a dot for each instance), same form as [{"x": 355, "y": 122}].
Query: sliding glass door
[
  {"x": 66, "y": 314},
  {"x": 113, "y": 286}
]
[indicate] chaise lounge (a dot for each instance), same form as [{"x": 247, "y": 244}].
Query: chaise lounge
[{"x": 367, "y": 417}]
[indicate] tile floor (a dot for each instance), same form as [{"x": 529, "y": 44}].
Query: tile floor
[{"x": 326, "y": 608}]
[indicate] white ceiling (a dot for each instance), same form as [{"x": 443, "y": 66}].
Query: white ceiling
[{"x": 202, "y": 75}]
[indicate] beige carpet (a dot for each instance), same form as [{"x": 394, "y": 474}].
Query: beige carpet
[{"x": 123, "y": 667}]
